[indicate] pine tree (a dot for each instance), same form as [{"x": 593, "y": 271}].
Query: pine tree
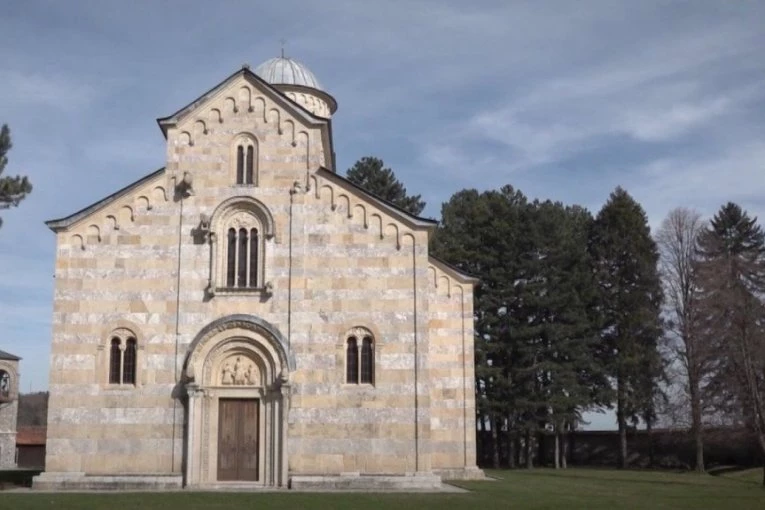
[
  {"x": 482, "y": 234},
  {"x": 732, "y": 279},
  {"x": 625, "y": 259},
  {"x": 12, "y": 189},
  {"x": 370, "y": 173}
]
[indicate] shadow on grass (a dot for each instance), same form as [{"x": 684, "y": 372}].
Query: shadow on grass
[{"x": 621, "y": 476}]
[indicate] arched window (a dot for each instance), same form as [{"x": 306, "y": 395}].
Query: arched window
[
  {"x": 359, "y": 359},
  {"x": 5, "y": 385},
  {"x": 240, "y": 230},
  {"x": 242, "y": 258},
  {"x": 246, "y": 160},
  {"x": 115, "y": 361},
  {"x": 128, "y": 362},
  {"x": 240, "y": 164},
  {"x": 367, "y": 361},
  {"x": 352, "y": 361},
  {"x": 123, "y": 358}
]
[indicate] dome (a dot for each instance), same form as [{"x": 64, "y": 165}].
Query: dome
[{"x": 286, "y": 71}]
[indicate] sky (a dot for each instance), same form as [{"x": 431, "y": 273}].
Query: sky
[{"x": 563, "y": 100}]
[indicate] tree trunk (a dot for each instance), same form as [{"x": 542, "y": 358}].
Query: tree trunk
[
  {"x": 696, "y": 425},
  {"x": 511, "y": 453},
  {"x": 557, "y": 449},
  {"x": 518, "y": 449},
  {"x": 564, "y": 449},
  {"x": 622, "y": 421},
  {"x": 529, "y": 449},
  {"x": 651, "y": 453},
  {"x": 494, "y": 444}
]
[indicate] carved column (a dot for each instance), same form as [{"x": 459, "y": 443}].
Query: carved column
[
  {"x": 284, "y": 407},
  {"x": 195, "y": 394}
]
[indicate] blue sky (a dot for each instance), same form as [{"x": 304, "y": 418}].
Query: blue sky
[{"x": 563, "y": 100}]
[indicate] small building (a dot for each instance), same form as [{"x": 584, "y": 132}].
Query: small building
[
  {"x": 9, "y": 408},
  {"x": 30, "y": 447}
]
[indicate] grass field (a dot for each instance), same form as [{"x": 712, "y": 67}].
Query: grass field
[{"x": 514, "y": 490}]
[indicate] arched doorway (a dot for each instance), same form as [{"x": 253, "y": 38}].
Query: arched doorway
[{"x": 237, "y": 382}]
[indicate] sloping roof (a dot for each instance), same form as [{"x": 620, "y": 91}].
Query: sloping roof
[
  {"x": 246, "y": 72},
  {"x": 452, "y": 270},
  {"x": 394, "y": 210},
  {"x": 31, "y": 436},
  {"x": 8, "y": 356},
  {"x": 62, "y": 223}
]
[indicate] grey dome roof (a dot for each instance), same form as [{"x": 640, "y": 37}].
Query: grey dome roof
[{"x": 286, "y": 71}]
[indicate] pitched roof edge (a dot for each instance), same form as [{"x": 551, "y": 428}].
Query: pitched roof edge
[
  {"x": 453, "y": 271},
  {"x": 63, "y": 223},
  {"x": 165, "y": 121},
  {"x": 407, "y": 217},
  {"x": 8, "y": 356}
]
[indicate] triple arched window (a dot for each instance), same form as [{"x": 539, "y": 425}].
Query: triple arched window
[
  {"x": 123, "y": 355},
  {"x": 360, "y": 357},
  {"x": 242, "y": 253},
  {"x": 246, "y": 155},
  {"x": 239, "y": 230}
]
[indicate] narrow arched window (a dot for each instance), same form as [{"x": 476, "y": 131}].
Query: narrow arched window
[
  {"x": 367, "y": 361},
  {"x": 128, "y": 363},
  {"x": 352, "y": 361},
  {"x": 240, "y": 164},
  {"x": 5, "y": 385},
  {"x": 241, "y": 278},
  {"x": 249, "y": 170},
  {"x": 253, "y": 257},
  {"x": 115, "y": 361},
  {"x": 231, "y": 258}
]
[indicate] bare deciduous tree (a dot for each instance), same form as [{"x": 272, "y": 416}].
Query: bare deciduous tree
[{"x": 676, "y": 240}]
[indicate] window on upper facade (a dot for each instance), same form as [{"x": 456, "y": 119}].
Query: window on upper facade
[
  {"x": 123, "y": 353},
  {"x": 5, "y": 385},
  {"x": 246, "y": 160},
  {"x": 360, "y": 359},
  {"x": 240, "y": 230},
  {"x": 243, "y": 247}
]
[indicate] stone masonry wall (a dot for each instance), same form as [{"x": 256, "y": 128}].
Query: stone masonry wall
[{"x": 335, "y": 262}]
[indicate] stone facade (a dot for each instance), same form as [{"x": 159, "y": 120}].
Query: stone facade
[
  {"x": 151, "y": 263},
  {"x": 9, "y": 408}
]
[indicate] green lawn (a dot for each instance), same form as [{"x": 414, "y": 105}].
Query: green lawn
[{"x": 538, "y": 489}]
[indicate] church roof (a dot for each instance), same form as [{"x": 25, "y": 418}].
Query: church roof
[
  {"x": 61, "y": 223},
  {"x": 245, "y": 71},
  {"x": 393, "y": 209},
  {"x": 8, "y": 356},
  {"x": 287, "y": 71}
]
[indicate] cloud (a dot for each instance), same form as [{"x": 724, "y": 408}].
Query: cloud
[{"x": 46, "y": 90}]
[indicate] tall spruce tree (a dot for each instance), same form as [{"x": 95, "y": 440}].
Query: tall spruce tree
[
  {"x": 535, "y": 337},
  {"x": 12, "y": 189},
  {"x": 574, "y": 380},
  {"x": 483, "y": 235},
  {"x": 732, "y": 279},
  {"x": 625, "y": 260},
  {"x": 371, "y": 174}
]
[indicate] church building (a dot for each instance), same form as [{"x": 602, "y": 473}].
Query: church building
[{"x": 247, "y": 317}]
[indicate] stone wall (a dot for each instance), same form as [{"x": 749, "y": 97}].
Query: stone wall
[{"x": 8, "y": 415}]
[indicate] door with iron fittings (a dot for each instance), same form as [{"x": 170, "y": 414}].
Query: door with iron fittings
[{"x": 238, "y": 439}]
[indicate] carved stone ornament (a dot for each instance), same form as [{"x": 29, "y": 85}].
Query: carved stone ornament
[
  {"x": 243, "y": 220},
  {"x": 239, "y": 372},
  {"x": 360, "y": 332}
]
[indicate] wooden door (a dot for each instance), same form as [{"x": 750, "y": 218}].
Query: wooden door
[{"x": 238, "y": 439}]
